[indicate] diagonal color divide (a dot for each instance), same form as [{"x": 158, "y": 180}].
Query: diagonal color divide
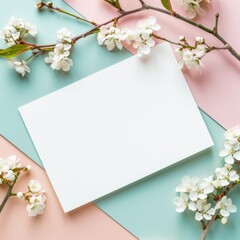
[
  {"x": 16, "y": 91},
  {"x": 216, "y": 90},
  {"x": 88, "y": 223}
]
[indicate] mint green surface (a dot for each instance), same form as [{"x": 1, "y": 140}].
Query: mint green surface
[
  {"x": 16, "y": 91},
  {"x": 147, "y": 211}
]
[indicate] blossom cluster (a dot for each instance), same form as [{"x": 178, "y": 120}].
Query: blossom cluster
[
  {"x": 10, "y": 169},
  {"x": 141, "y": 38},
  {"x": 207, "y": 197},
  {"x": 194, "y": 195},
  {"x": 190, "y": 56},
  {"x": 193, "y": 7},
  {"x": 15, "y": 29},
  {"x": 13, "y": 34},
  {"x": 35, "y": 197},
  {"x": 231, "y": 151},
  {"x": 59, "y": 57}
]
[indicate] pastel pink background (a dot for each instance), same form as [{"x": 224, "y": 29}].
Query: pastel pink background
[
  {"x": 88, "y": 223},
  {"x": 216, "y": 89}
]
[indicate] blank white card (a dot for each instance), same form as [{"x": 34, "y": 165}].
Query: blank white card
[{"x": 115, "y": 127}]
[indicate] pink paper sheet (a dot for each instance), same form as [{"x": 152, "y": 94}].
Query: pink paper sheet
[
  {"x": 216, "y": 90},
  {"x": 88, "y": 223}
]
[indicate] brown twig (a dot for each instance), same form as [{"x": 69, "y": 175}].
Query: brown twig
[
  {"x": 145, "y": 7},
  {"x": 9, "y": 193},
  {"x": 50, "y": 6},
  {"x": 215, "y": 29}
]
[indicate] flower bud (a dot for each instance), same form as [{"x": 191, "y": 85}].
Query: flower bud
[
  {"x": 39, "y": 5},
  {"x": 177, "y": 50},
  {"x": 50, "y": 4},
  {"x": 19, "y": 195},
  {"x": 182, "y": 38},
  {"x": 28, "y": 168},
  {"x": 224, "y": 220},
  {"x": 199, "y": 39}
]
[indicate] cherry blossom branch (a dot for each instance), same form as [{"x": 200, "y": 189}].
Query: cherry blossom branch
[
  {"x": 9, "y": 193},
  {"x": 188, "y": 55},
  {"x": 50, "y": 6},
  {"x": 204, "y": 28},
  {"x": 207, "y": 227},
  {"x": 215, "y": 29},
  {"x": 142, "y": 2},
  {"x": 208, "y": 49},
  {"x": 145, "y": 7},
  {"x": 34, "y": 196},
  {"x": 116, "y": 19},
  {"x": 209, "y": 197}
]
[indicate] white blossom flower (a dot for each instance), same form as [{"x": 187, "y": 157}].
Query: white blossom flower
[
  {"x": 226, "y": 207},
  {"x": 111, "y": 37},
  {"x": 28, "y": 167},
  {"x": 143, "y": 43},
  {"x": 4, "y": 167},
  {"x": 202, "y": 189},
  {"x": 60, "y": 63},
  {"x": 181, "y": 38},
  {"x": 12, "y": 161},
  {"x": 199, "y": 40},
  {"x": 59, "y": 58},
  {"x": 230, "y": 152},
  {"x": 15, "y": 29},
  {"x": 36, "y": 206},
  {"x": 19, "y": 195},
  {"x": 225, "y": 175},
  {"x": 182, "y": 202},
  {"x": 64, "y": 35},
  {"x": 36, "y": 199},
  {"x": 193, "y": 7},
  {"x": 188, "y": 184},
  {"x": 204, "y": 210},
  {"x": 224, "y": 220},
  {"x": 197, "y": 189},
  {"x": 62, "y": 50},
  {"x": 233, "y": 135},
  {"x": 31, "y": 29},
  {"x": 191, "y": 58},
  {"x": 206, "y": 185},
  {"x": 141, "y": 38},
  {"x": 148, "y": 25},
  {"x": 9, "y": 176},
  {"x": 21, "y": 67},
  {"x": 9, "y": 163},
  {"x": 34, "y": 186},
  {"x": 10, "y": 35},
  {"x": 16, "y": 22}
]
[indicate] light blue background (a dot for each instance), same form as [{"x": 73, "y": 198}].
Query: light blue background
[
  {"x": 146, "y": 208},
  {"x": 16, "y": 91}
]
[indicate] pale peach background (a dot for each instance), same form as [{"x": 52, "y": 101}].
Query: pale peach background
[
  {"x": 216, "y": 90},
  {"x": 88, "y": 223}
]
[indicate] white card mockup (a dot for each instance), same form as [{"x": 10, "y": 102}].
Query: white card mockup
[{"x": 115, "y": 127}]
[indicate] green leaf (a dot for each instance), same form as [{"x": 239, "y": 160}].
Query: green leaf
[
  {"x": 114, "y": 3},
  {"x": 167, "y": 4},
  {"x": 118, "y": 5},
  {"x": 14, "y": 51}
]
